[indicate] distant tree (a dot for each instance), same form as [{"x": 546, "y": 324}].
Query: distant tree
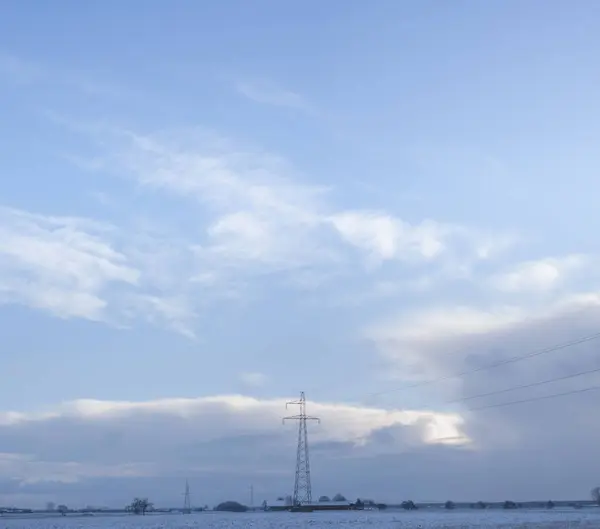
[
  {"x": 231, "y": 506},
  {"x": 381, "y": 506},
  {"x": 139, "y": 506},
  {"x": 339, "y": 497},
  {"x": 596, "y": 495},
  {"x": 359, "y": 504},
  {"x": 409, "y": 505},
  {"x": 510, "y": 505},
  {"x": 449, "y": 505},
  {"x": 324, "y": 499},
  {"x": 480, "y": 505},
  {"x": 265, "y": 506},
  {"x": 62, "y": 509},
  {"x": 550, "y": 505}
]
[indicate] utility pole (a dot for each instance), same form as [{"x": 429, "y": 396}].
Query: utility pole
[
  {"x": 302, "y": 487},
  {"x": 187, "y": 503},
  {"x": 252, "y": 496}
]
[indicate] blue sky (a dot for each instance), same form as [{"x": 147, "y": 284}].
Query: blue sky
[{"x": 205, "y": 200}]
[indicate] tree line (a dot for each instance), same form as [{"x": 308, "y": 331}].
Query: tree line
[{"x": 140, "y": 506}]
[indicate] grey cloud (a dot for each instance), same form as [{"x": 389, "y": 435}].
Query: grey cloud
[
  {"x": 537, "y": 449},
  {"x": 112, "y": 450}
]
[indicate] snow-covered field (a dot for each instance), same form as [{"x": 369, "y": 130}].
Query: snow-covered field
[{"x": 568, "y": 519}]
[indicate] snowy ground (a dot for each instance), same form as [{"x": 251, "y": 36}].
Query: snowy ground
[{"x": 567, "y": 519}]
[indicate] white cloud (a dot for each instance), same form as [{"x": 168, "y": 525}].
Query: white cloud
[
  {"x": 443, "y": 323},
  {"x": 412, "y": 341},
  {"x": 257, "y": 218},
  {"x": 76, "y": 267},
  {"x": 261, "y": 213},
  {"x": 385, "y": 237},
  {"x": 173, "y": 312},
  {"x": 490, "y": 246},
  {"x": 440, "y": 344},
  {"x": 341, "y": 422},
  {"x": 60, "y": 264},
  {"x": 257, "y": 214},
  {"x": 267, "y": 93},
  {"x": 541, "y": 275},
  {"x": 436, "y": 342}
]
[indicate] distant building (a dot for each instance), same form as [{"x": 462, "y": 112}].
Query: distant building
[{"x": 284, "y": 503}]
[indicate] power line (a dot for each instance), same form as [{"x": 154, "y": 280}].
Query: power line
[
  {"x": 511, "y": 360},
  {"x": 545, "y": 397},
  {"x": 524, "y": 386}
]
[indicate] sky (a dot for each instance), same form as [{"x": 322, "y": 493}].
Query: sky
[{"x": 207, "y": 208}]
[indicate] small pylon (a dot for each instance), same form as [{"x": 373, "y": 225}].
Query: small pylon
[
  {"x": 187, "y": 502},
  {"x": 302, "y": 486}
]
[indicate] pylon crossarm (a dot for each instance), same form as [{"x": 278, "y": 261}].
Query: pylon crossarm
[{"x": 293, "y": 418}]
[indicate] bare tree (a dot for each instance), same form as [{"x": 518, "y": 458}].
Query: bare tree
[
  {"x": 139, "y": 506},
  {"x": 596, "y": 495}
]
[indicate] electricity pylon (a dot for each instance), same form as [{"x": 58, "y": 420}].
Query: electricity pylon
[
  {"x": 187, "y": 502},
  {"x": 302, "y": 487}
]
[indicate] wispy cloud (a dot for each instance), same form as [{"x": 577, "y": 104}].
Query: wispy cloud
[
  {"x": 542, "y": 275},
  {"x": 15, "y": 69},
  {"x": 250, "y": 215},
  {"x": 60, "y": 264},
  {"x": 77, "y": 267},
  {"x": 268, "y": 93},
  {"x": 258, "y": 215},
  {"x": 385, "y": 237},
  {"x": 262, "y": 212}
]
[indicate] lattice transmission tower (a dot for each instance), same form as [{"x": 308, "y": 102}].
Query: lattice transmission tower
[
  {"x": 302, "y": 487},
  {"x": 187, "y": 502}
]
